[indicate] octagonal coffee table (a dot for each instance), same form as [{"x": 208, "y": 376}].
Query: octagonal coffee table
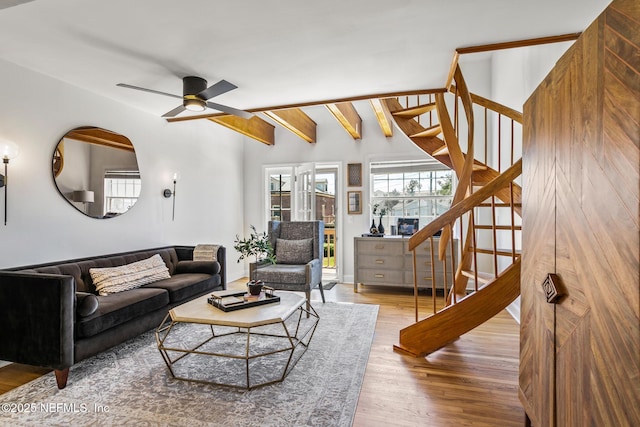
[{"x": 246, "y": 348}]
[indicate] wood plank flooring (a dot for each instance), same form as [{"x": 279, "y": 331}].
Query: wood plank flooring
[{"x": 470, "y": 382}]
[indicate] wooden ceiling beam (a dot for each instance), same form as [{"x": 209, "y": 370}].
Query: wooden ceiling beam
[
  {"x": 518, "y": 43},
  {"x": 255, "y": 127},
  {"x": 101, "y": 137},
  {"x": 316, "y": 103},
  {"x": 384, "y": 117},
  {"x": 295, "y": 120},
  {"x": 348, "y": 117}
]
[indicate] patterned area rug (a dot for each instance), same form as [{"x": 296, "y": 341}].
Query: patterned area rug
[{"x": 130, "y": 385}]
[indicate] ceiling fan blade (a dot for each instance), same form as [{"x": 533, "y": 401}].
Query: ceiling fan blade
[
  {"x": 148, "y": 90},
  {"x": 219, "y": 88},
  {"x": 230, "y": 110},
  {"x": 175, "y": 111}
]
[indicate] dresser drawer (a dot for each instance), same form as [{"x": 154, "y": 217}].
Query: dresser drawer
[
  {"x": 422, "y": 263},
  {"x": 379, "y": 246},
  {"x": 381, "y": 261},
  {"x": 424, "y": 249},
  {"x": 381, "y": 277},
  {"x": 424, "y": 279}
]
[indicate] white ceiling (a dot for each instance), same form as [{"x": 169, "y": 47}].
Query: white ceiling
[{"x": 278, "y": 52}]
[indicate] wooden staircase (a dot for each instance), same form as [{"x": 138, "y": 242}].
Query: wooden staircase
[{"x": 484, "y": 214}]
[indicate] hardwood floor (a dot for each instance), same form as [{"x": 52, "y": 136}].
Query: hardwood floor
[
  {"x": 470, "y": 382},
  {"x": 15, "y": 374}
]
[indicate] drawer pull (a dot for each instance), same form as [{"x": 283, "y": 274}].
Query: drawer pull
[
  {"x": 379, "y": 261},
  {"x": 379, "y": 276},
  {"x": 379, "y": 246}
]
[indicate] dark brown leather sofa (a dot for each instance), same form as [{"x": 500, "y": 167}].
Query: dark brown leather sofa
[{"x": 51, "y": 315}]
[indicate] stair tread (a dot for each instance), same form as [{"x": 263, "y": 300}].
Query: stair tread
[
  {"x": 430, "y": 131},
  {"x": 482, "y": 276},
  {"x": 418, "y": 110},
  {"x": 499, "y": 251},
  {"x": 440, "y": 151}
]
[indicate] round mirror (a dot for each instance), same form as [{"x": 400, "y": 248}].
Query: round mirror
[{"x": 96, "y": 171}]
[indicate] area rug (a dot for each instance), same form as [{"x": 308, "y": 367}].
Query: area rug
[{"x": 130, "y": 385}]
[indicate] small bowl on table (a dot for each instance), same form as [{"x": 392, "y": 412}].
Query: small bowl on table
[{"x": 255, "y": 287}]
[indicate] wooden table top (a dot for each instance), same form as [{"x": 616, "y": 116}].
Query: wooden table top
[{"x": 200, "y": 311}]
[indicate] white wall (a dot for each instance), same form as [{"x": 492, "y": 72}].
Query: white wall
[
  {"x": 333, "y": 145},
  {"x": 36, "y": 111}
]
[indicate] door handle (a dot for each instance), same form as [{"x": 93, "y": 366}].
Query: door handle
[{"x": 551, "y": 287}]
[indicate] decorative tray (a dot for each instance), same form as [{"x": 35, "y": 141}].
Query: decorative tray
[{"x": 237, "y": 300}]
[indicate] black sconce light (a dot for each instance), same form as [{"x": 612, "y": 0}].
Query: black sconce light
[
  {"x": 8, "y": 151},
  {"x": 168, "y": 193}
]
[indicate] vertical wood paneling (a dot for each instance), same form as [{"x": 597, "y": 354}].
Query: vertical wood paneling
[
  {"x": 536, "y": 345},
  {"x": 592, "y": 100}
]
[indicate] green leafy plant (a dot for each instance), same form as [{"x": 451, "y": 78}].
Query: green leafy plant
[
  {"x": 256, "y": 245},
  {"x": 445, "y": 186},
  {"x": 379, "y": 210}
]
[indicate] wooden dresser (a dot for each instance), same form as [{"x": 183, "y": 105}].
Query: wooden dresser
[{"x": 387, "y": 261}]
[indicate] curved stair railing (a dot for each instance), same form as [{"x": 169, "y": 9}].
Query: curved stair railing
[{"x": 484, "y": 215}]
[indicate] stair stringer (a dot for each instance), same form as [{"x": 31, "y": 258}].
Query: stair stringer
[{"x": 447, "y": 325}]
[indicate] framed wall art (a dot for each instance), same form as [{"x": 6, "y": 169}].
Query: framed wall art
[
  {"x": 354, "y": 174},
  {"x": 354, "y": 202}
]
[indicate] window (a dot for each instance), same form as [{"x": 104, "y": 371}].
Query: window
[
  {"x": 410, "y": 189},
  {"x": 121, "y": 190}
]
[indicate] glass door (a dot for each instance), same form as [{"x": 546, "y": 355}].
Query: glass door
[
  {"x": 305, "y": 193},
  {"x": 279, "y": 184}
]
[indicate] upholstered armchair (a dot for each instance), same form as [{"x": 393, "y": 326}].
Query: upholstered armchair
[{"x": 298, "y": 248}]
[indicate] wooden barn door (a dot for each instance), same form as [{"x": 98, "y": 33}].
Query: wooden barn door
[{"x": 580, "y": 356}]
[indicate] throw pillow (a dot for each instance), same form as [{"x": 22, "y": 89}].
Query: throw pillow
[
  {"x": 294, "y": 251},
  {"x": 87, "y": 304},
  {"x": 110, "y": 280}
]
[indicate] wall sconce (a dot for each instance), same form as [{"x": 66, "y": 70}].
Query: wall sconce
[
  {"x": 168, "y": 193},
  {"x": 8, "y": 150}
]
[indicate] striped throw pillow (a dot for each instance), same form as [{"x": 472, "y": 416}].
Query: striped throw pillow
[{"x": 110, "y": 280}]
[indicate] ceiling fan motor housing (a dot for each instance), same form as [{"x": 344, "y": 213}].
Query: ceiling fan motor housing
[{"x": 191, "y": 86}]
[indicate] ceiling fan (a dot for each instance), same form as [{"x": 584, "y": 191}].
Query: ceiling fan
[{"x": 196, "y": 95}]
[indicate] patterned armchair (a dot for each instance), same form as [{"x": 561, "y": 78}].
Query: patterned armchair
[{"x": 298, "y": 248}]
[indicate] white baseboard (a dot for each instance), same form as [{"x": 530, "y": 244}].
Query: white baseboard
[
  {"x": 514, "y": 310},
  {"x": 3, "y": 363}
]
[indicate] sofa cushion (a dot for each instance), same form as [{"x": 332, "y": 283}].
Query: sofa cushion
[
  {"x": 206, "y": 267},
  {"x": 119, "y": 308},
  {"x": 294, "y": 251},
  {"x": 186, "y": 285},
  {"x": 110, "y": 280}
]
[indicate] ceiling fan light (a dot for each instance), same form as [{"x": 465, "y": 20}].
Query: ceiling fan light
[{"x": 194, "y": 104}]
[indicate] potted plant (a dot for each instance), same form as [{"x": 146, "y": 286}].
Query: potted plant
[{"x": 256, "y": 245}]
